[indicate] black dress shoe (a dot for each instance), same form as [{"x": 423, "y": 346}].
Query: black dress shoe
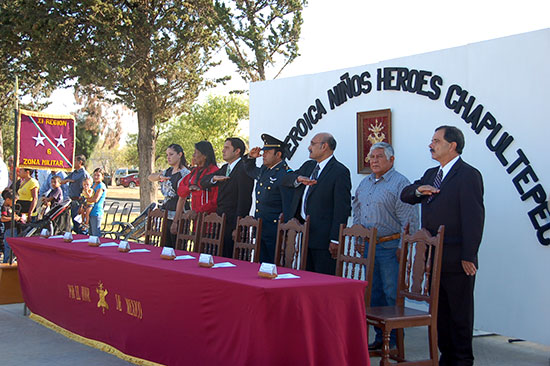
[{"x": 375, "y": 346}]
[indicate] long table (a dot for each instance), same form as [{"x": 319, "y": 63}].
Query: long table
[{"x": 177, "y": 313}]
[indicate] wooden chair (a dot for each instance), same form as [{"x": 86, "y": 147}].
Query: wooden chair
[
  {"x": 350, "y": 262},
  {"x": 157, "y": 225},
  {"x": 291, "y": 245},
  {"x": 212, "y": 228},
  {"x": 187, "y": 237},
  {"x": 419, "y": 274},
  {"x": 248, "y": 234}
]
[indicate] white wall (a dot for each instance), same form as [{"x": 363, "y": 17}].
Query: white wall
[{"x": 510, "y": 77}]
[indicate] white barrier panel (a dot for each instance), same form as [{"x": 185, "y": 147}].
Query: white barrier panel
[{"x": 497, "y": 92}]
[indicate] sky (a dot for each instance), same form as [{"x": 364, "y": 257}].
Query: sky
[{"x": 346, "y": 33}]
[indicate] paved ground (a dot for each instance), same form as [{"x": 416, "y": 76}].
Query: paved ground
[{"x": 26, "y": 343}]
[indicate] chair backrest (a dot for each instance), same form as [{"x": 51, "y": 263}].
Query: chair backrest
[
  {"x": 155, "y": 230},
  {"x": 248, "y": 234},
  {"x": 212, "y": 228},
  {"x": 187, "y": 237},
  {"x": 110, "y": 215},
  {"x": 351, "y": 261},
  {"x": 420, "y": 267},
  {"x": 291, "y": 246}
]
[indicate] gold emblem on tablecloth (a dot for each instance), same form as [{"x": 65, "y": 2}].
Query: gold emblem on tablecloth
[{"x": 102, "y": 303}]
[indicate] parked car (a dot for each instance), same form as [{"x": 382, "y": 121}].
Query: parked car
[
  {"x": 122, "y": 172},
  {"x": 107, "y": 179},
  {"x": 130, "y": 180}
]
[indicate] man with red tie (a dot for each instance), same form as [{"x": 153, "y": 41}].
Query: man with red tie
[{"x": 452, "y": 195}]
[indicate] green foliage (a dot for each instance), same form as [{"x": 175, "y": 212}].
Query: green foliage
[
  {"x": 86, "y": 137},
  {"x": 108, "y": 158},
  {"x": 215, "y": 120},
  {"x": 259, "y": 33},
  {"x": 151, "y": 55},
  {"x": 129, "y": 153}
]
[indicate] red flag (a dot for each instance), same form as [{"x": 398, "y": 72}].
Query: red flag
[{"x": 46, "y": 141}]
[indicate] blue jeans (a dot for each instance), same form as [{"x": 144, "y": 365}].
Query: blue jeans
[
  {"x": 7, "y": 249},
  {"x": 384, "y": 281},
  {"x": 95, "y": 225}
]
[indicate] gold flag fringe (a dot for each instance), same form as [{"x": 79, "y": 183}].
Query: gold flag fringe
[{"x": 92, "y": 343}]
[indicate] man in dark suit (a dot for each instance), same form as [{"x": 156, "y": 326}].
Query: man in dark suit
[
  {"x": 322, "y": 191},
  {"x": 234, "y": 189},
  {"x": 272, "y": 198},
  {"x": 452, "y": 195}
]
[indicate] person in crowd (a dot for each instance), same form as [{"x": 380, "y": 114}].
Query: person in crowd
[
  {"x": 75, "y": 179},
  {"x": 272, "y": 198},
  {"x": 169, "y": 180},
  {"x": 202, "y": 199},
  {"x": 7, "y": 207},
  {"x": 451, "y": 194},
  {"x": 234, "y": 189},
  {"x": 88, "y": 201},
  {"x": 45, "y": 190},
  {"x": 55, "y": 196},
  {"x": 10, "y": 171},
  {"x": 27, "y": 193},
  {"x": 4, "y": 176},
  {"x": 377, "y": 204},
  {"x": 323, "y": 192},
  {"x": 100, "y": 191},
  {"x": 42, "y": 175}
]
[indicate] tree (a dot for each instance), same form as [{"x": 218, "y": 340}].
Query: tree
[
  {"x": 256, "y": 33},
  {"x": 151, "y": 55},
  {"x": 215, "y": 120},
  {"x": 30, "y": 85}
]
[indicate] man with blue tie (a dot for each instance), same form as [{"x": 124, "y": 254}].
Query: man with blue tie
[
  {"x": 234, "y": 189},
  {"x": 322, "y": 192},
  {"x": 452, "y": 195},
  {"x": 272, "y": 198}
]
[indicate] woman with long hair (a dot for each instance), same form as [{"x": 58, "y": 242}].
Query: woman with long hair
[
  {"x": 169, "y": 180},
  {"x": 202, "y": 199},
  {"x": 28, "y": 193},
  {"x": 100, "y": 191}
]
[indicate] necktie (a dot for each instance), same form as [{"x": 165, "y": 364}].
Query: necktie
[
  {"x": 437, "y": 182},
  {"x": 228, "y": 171},
  {"x": 315, "y": 172},
  {"x": 313, "y": 176}
]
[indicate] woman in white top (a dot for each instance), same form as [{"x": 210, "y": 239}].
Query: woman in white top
[{"x": 169, "y": 181}]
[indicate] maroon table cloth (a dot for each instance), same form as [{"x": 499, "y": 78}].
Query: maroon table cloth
[{"x": 177, "y": 313}]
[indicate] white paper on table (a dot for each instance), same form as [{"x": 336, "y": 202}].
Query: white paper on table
[
  {"x": 56, "y": 237},
  {"x": 81, "y": 240},
  {"x": 224, "y": 265},
  {"x": 139, "y": 251},
  {"x": 44, "y": 232},
  {"x": 285, "y": 276},
  {"x": 268, "y": 268},
  {"x": 68, "y": 235},
  {"x": 206, "y": 258},
  {"x": 111, "y": 244},
  {"x": 169, "y": 252},
  {"x": 124, "y": 245},
  {"x": 182, "y": 257}
]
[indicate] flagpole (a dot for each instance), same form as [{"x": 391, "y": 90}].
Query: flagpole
[{"x": 15, "y": 159}]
